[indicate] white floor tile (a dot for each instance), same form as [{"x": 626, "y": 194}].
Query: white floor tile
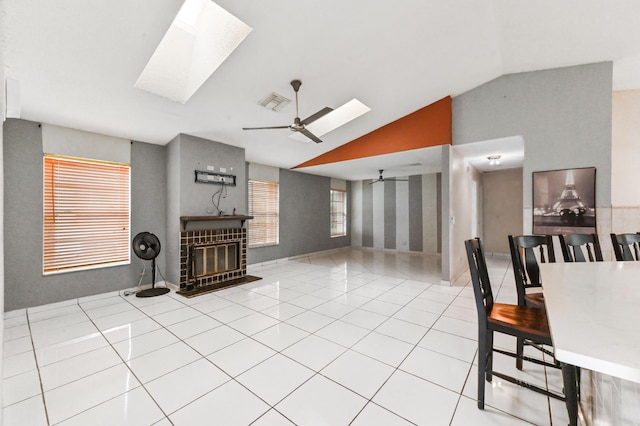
[
  {"x": 130, "y": 330},
  {"x": 18, "y": 364},
  {"x": 77, "y": 367},
  {"x": 162, "y": 361},
  {"x": 272, "y": 418},
  {"x": 144, "y": 344},
  {"x": 314, "y": 352},
  {"x": 403, "y": 330},
  {"x": 240, "y": 356},
  {"x": 381, "y": 307},
  {"x": 123, "y": 318},
  {"x": 49, "y": 337},
  {"x": 110, "y": 309},
  {"x": 416, "y": 316},
  {"x": 307, "y": 301},
  {"x": 177, "y": 315},
  {"x": 439, "y": 369},
  {"x": 374, "y": 415},
  {"x": 29, "y": 412},
  {"x": 280, "y": 336},
  {"x": 275, "y": 378},
  {"x": 20, "y": 387},
  {"x": 70, "y": 348},
  {"x": 449, "y": 344},
  {"x": 130, "y": 409},
  {"x": 230, "y": 313},
  {"x": 71, "y": 399},
  {"x": 193, "y": 326},
  {"x": 17, "y": 346},
  {"x": 228, "y": 405},
  {"x": 157, "y": 306},
  {"x": 333, "y": 309},
  {"x": 343, "y": 333},
  {"x": 310, "y": 321},
  {"x": 215, "y": 339},
  {"x": 406, "y": 396},
  {"x": 457, "y": 327},
  {"x": 320, "y": 401},
  {"x": 282, "y": 311},
  {"x": 383, "y": 348},
  {"x": 178, "y": 388},
  {"x": 467, "y": 413},
  {"x": 253, "y": 323},
  {"x": 358, "y": 372}
]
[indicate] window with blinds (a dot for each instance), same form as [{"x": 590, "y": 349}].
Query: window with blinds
[
  {"x": 338, "y": 213},
  {"x": 263, "y": 229},
  {"x": 86, "y": 214}
]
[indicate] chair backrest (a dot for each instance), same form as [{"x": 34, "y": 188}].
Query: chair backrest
[
  {"x": 525, "y": 263},
  {"x": 479, "y": 279},
  {"x": 626, "y": 246},
  {"x": 575, "y": 245}
]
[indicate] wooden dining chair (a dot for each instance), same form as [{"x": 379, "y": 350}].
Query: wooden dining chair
[
  {"x": 525, "y": 265},
  {"x": 523, "y": 322},
  {"x": 574, "y": 247},
  {"x": 527, "y": 276},
  {"x": 626, "y": 246}
]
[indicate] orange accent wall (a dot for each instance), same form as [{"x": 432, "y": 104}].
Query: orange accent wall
[{"x": 428, "y": 126}]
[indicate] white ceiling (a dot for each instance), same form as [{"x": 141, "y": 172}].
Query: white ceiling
[{"x": 77, "y": 61}]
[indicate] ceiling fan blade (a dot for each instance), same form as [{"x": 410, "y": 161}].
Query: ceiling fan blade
[
  {"x": 396, "y": 180},
  {"x": 313, "y": 117},
  {"x": 310, "y": 135},
  {"x": 263, "y": 128}
]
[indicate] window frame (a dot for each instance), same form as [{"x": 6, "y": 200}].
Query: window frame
[
  {"x": 70, "y": 207},
  {"x": 332, "y": 213},
  {"x": 271, "y": 237}
]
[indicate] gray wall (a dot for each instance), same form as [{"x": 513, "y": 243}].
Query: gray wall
[
  {"x": 24, "y": 283},
  {"x": 564, "y": 116},
  {"x": 305, "y": 219},
  {"x": 501, "y": 209},
  {"x": 185, "y": 197},
  {"x": 401, "y": 215}
]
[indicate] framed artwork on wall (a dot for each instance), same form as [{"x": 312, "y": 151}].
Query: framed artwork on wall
[{"x": 564, "y": 201}]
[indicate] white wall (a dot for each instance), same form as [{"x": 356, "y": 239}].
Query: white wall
[{"x": 625, "y": 158}]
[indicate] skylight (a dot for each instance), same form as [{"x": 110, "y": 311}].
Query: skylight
[
  {"x": 336, "y": 118},
  {"x": 200, "y": 38}
]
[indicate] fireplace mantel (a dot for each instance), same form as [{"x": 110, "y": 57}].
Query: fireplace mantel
[{"x": 186, "y": 219}]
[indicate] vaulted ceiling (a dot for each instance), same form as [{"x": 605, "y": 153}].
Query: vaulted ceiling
[{"x": 76, "y": 62}]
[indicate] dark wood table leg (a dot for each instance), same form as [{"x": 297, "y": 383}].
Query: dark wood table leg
[{"x": 570, "y": 377}]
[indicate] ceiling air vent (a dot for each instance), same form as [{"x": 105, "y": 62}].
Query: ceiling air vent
[{"x": 275, "y": 102}]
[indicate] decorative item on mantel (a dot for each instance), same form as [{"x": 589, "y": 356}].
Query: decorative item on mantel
[{"x": 214, "y": 258}]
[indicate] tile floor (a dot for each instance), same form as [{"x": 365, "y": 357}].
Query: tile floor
[{"x": 350, "y": 337}]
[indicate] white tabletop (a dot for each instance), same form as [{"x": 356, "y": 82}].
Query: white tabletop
[{"x": 594, "y": 315}]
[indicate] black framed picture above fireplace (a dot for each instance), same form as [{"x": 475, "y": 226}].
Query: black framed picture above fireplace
[{"x": 564, "y": 201}]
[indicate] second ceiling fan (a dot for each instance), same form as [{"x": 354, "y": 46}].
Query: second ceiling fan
[
  {"x": 299, "y": 125},
  {"x": 383, "y": 179}
]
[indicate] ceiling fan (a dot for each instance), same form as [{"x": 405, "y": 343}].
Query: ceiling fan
[
  {"x": 382, "y": 179},
  {"x": 299, "y": 125}
]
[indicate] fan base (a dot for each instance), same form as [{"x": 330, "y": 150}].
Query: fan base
[{"x": 151, "y": 292}]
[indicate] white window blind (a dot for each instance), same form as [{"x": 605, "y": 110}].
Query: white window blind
[
  {"x": 264, "y": 207},
  {"x": 338, "y": 213},
  {"x": 86, "y": 214}
]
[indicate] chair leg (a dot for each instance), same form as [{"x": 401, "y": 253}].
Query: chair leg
[
  {"x": 489, "y": 366},
  {"x": 482, "y": 366},
  {"x": 519, "y": 352}
]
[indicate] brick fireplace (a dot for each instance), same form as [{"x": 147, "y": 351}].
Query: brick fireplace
[{"x": 214, "y": 257}]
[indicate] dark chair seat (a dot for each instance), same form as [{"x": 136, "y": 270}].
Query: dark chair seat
[
  {"x": 534, "y": 299},
  {"x": 530, "y": 323}
]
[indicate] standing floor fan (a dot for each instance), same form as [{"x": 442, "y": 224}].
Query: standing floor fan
[{"x": 147, "y": 247}]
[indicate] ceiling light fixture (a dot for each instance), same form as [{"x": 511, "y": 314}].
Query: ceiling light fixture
[
  {"x": 199, "y": 39},
  {"x": 336, "y": 118},
  {"x": 494, "y": 160}
]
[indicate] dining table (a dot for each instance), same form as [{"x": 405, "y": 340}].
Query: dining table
[{"x": 593, "y": 310}]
